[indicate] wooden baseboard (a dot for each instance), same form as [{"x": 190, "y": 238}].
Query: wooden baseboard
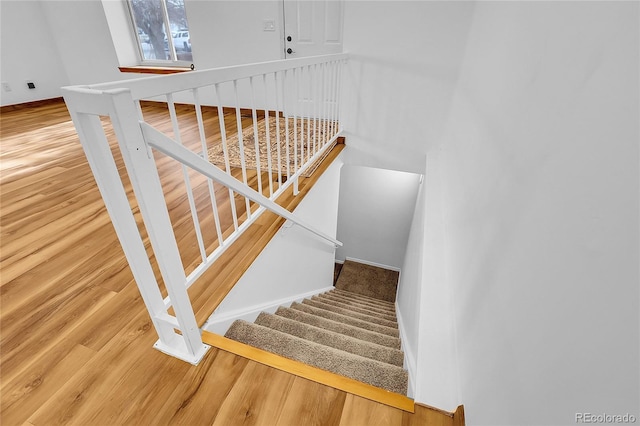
[
  {"x": 31, "y": 104},
  {"x": 436, "y": 409},
  {"x": 458, "y": 416},
  {"x": 311, "y": 373}
]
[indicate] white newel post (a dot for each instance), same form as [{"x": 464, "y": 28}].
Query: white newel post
[
  {"x": 142, "y": 171},
  {"x": 85, "y": 106}
]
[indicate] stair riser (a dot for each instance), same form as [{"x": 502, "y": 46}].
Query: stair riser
[
  {"x": 338, "y": 327},
  {"x": 331, "y": 339},
  {"x": 347, "y": 312},
  {"x": 356, "y": 367},
  {"x": 333, "y": 295},
  {"x": 355, "y": 308},
  {"x": 382, "y": 303},
  {"x": 346, "y": 319}
]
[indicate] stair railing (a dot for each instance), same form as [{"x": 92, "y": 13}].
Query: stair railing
[{"x": 300, "y": 99}]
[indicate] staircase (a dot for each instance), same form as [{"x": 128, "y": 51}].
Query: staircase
[{"x": 343, "y": 332}]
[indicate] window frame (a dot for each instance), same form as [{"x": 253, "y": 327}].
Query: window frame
[{"x": 160, "y": 63}]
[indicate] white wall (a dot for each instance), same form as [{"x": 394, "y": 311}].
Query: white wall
[
  {"x": 29, "y": 52},
  {"x": 231, "y": 32},
  {"x": 409, "y": 290},
  {"x": 540, "y": 176},
  {"x": 424, "y": 304},
  {"x": 295, "y": 263},
  {"x": 121, "y": 31},
  {"x": 69, "y": 42},
  {"x": 54, "y": 43},
  {"x": 84, "y": 42},
  {"x": 402, "y": 73},
  {"x": 374, "y": 216},
  {"x": 529, "y": 114},
  {"x": 222, "y": 32}
]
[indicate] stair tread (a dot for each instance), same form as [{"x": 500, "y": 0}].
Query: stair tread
[
  {"x": 339, "y": 327},
  {"x": 338, "y": 296},
  {"x": 363, "y": 297},
  {"x": 376, "y": 373},
  {"x": 364, "y": 317},
  {"x": 345, "y": 304},
  {"x": 346, "y": 319},
  {"x": 333, "y": 339}
]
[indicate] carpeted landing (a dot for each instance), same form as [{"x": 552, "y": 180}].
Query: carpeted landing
[{"x": 340, "y": 331}]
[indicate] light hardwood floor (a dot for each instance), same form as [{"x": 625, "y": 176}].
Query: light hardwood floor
[{"x": 76, "y": 340}]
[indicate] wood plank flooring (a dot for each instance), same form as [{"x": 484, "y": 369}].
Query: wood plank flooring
[{"x": 75, "y": 338}]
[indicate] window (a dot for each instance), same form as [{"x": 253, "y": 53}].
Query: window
[{"x": 151, "y": 19}]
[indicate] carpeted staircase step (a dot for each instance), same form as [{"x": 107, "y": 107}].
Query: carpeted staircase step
[
  {"x": 339, "y": 327},
  {"x": 368, "y": 280},
  {"x": 351, "y": 313},
  {"x": 346, "y": 299},
  {"x": 351, "y": 306},
  {"x": 332, "y": 339},
  {"x": 376, "y": 373},
  {"x": 364, "y": 298},
  {"x": 354, "y": 303},
  {"x": 345, "y": 319}
]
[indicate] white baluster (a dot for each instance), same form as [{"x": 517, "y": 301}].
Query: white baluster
[
  {"x": 286, "y": 123},
  {"x": 268, "y": 131},
  {"x": 314, "y": 85},
  {"x": 223, "y": 134},
  {"x": 187, "y": 181},
  {"x": 254, "y": 118},
  {"x": 241, "y": 145},
  {"x": 296, "y": 101},
  {"x": 205, "y": 153},
  {"x": 278, "y": 142},
  {"x": 310, "y": 99}
]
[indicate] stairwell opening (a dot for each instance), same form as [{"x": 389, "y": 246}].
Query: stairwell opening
[
  {"x": 317, "y": 328},
  {"x": 375, "y": 211}
]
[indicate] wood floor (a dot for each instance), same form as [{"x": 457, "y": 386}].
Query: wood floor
[{"x": 75, "y": 338}]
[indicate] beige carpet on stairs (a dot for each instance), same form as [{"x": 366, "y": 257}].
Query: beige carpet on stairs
[
  {"x": 348, "y": 333},
  {"x": 370, "y": 281}
]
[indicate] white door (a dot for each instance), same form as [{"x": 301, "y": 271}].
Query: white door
[{"x": 312, "y": 27}]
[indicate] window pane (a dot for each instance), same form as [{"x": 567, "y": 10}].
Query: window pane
[
  {"x": 179, "y": 29},
  {"x": 149, "y": 19}
]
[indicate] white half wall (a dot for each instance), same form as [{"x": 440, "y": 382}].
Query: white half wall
[
  {"x": 374, "y": 216},
  {"x": 295, "y": 263}
]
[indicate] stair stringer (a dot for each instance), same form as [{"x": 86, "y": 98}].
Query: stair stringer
[{"x": 409, "y": 359}]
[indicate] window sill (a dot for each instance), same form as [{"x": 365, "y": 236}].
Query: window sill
[{"x": 153, "y": 70}]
